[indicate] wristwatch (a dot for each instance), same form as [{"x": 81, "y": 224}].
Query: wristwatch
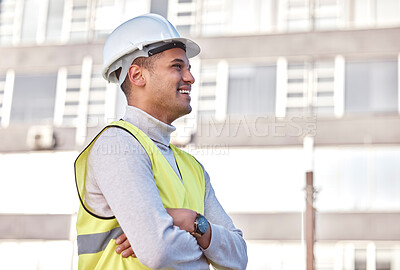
[{"x": 200, "y": 225}]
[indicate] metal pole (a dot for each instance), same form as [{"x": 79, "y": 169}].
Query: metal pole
[
  {"x": 308, "y": 144},
  {"x": 310, "y": 220}
]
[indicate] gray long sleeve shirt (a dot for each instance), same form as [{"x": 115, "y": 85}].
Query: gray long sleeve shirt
[{"x": 120, "y": 183}]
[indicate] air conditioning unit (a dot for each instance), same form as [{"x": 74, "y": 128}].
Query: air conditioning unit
[{"x": 41, "y": 138}]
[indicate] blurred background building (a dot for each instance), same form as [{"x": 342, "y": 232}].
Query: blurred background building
[{"x": 270, "y": 73}]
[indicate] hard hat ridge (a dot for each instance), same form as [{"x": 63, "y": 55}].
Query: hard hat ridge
[{"x": 141, "y": 36}]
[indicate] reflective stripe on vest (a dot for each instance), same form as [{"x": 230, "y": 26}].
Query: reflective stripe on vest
[
  {"x": 96, "y": 242},
  {"x": 96, "y": 235}
]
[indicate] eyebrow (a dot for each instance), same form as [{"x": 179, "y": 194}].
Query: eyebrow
[{"x": 178, "y": 60}]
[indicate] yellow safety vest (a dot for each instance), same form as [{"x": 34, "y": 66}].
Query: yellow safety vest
[{"x": 96, "y": 235}]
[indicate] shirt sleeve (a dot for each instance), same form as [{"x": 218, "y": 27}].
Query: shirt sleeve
[
  {"x": 123, "y": 172},
  {"x": 227, "y": 249}
]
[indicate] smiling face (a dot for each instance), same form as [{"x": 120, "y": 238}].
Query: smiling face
[{"x": 168, "y": 86}]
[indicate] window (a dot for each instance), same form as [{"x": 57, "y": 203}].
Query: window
[
  {"x": 306, "y": 87},
  {"x": 295, "y": 16},
  {"x": 107, "y": 17},
  {"x": 84, "y": 98},
  {"x": 376, "y": 13},
  {"x": 183, "y": 14},
  {"x": 79, "y": 20},
  {"x": 354, "y": 182},
  {"x": 251, "y": 90},
  {"x": 33, "y": 99},
  {"x": 30, "y": 20},
  {"x": 219, "y": 17},
  {"x": 8, "y": 13},
  {"x": 258, "y": 14},
  {"x": 297, "y": 87},
  {"x": 323, "y": 87},
  {"x": 328, "y": 14},
  {"x": 71, "y": 96},
  {"x": 361, "y": 13},
  {"x": 207, "y": 89},
  {"x": 387, "y": 12},
  {"x": 352, "y": 178},
  {"x": 386, "y": 175},
  {"x": 97, "y": 98},
  {"x": 108, "y": 14},
  {"x": 371, "y": 86},
  {"x": 54, "y": 20}
]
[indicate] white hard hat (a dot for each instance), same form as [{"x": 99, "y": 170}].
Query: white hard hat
[{"x": 144, "y": 36}]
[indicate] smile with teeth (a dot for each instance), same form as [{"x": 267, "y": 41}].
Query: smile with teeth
[{"x": 184, "y": 92}]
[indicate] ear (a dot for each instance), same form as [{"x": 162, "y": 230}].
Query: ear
[{"x": 135, "y": 74}]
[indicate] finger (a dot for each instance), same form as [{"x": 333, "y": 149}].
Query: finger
[
  {"x": 120, "y": 239},
  {"x": 127, "y": 252},
  {"x": 125, "y": 245}
]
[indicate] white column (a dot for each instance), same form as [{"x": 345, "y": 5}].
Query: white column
[
  {"x": 338, "y": 259},
  {"x": 282, "y": 15},
  {"x": 395, "y": 259},
  {"x": 221, "y": 94},
  {"x": 371, "y": 256},
  {"x": 7, "y": 98},
  {"x": 43, "y": 10},
  {"x": 281, "y": 87},
  {"x": 349, "y": 257},
  {"x": 338, "y": 86},
  {"x": 81, "y": 129},
  {"x": 277, "y": 260},
  {"x": 19, "y": 10},
  {"x": 372, "y": 20},
  {"x": 60, "y": 96},
  {"x": 66, "y": 25},
  {"x": 342, "y": 15}
]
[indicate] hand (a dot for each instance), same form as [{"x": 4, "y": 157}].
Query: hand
[
  {"x": 124, "y": 246},
  {"x": 183, "y": 218}
]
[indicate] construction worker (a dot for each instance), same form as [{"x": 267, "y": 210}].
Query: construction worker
[{"x": 130, "y": 178}]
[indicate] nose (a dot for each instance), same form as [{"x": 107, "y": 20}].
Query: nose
[{"x": 188, "y": 77}]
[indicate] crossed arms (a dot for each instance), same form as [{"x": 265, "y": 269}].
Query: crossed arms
[{"x": 183, "y": 218}]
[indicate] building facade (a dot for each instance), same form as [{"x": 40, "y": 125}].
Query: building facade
[{"x": 271, "y": 73}]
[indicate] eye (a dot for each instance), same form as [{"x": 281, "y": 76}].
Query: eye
[{"x": 178, "y": 66}]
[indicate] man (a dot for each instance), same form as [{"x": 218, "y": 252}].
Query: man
[{"x": 131, "y": 179}]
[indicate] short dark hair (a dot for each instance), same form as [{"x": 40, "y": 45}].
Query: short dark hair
[{"x": 145, "y": 62}]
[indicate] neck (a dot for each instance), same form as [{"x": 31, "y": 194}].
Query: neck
[
  {"x": 152, "y": 127},
  {"x": 156, "y": 112},
  {"x": 159, "y": 116}
]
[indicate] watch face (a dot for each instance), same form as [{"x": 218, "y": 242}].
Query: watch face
[{"x": 202, "y": 224}]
